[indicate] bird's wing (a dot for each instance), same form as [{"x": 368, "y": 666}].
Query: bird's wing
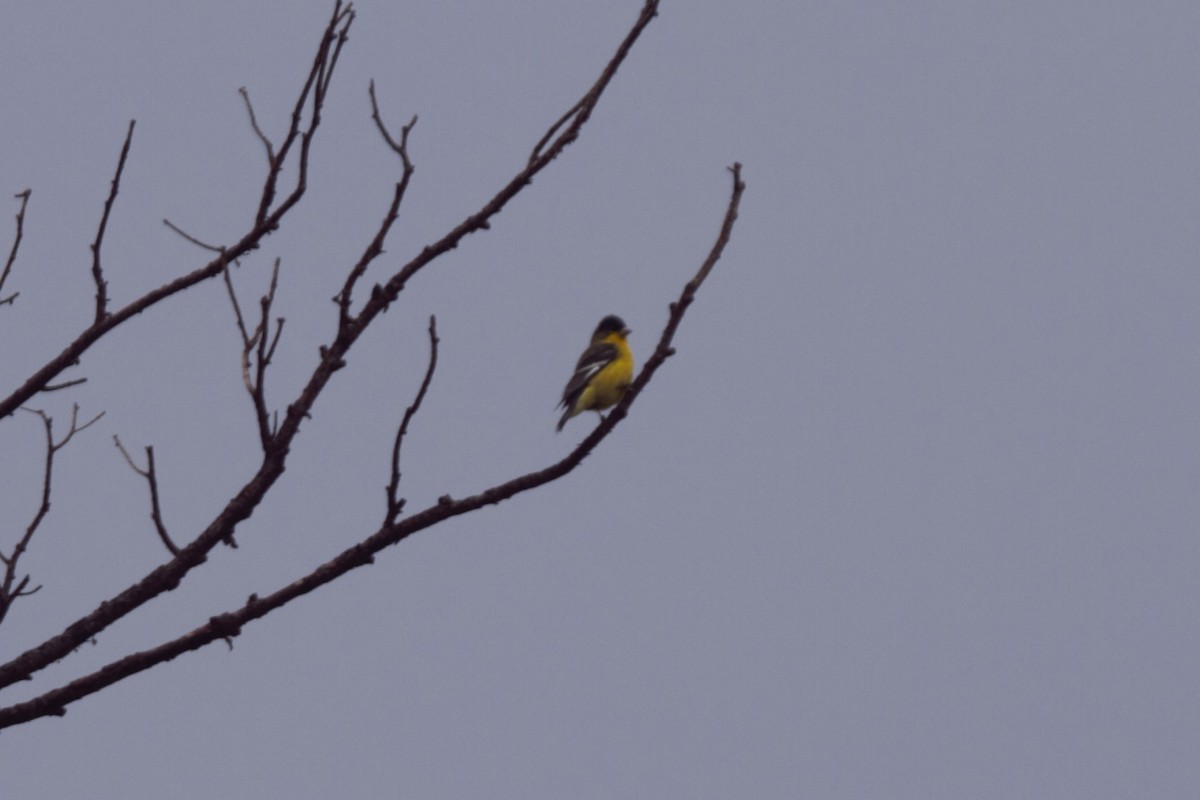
[{"x": 594, "y": 359}]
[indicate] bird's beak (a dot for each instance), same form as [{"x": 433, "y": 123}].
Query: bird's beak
[{"x": 626, "y": 332}]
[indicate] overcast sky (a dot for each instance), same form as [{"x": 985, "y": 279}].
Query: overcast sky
[{"x": 912, "y": 512}]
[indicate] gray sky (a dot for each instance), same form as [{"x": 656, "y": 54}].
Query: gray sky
[{"x": 912, "y": 513}]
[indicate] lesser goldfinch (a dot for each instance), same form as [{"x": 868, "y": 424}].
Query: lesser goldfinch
[{"x": 603, "y": 372}]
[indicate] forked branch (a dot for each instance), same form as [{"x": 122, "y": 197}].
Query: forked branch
[
  {"x": 12, "y": 587},
  {"x": 151, "y": 477},
  {"x": 316, "y": 86}
]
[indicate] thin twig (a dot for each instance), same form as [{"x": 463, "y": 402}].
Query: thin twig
[
  {"x": 537, "y": 148},
  {"x": 97, "y": 270},
  {"x": 54, "y": 387},
  {"x": 247, "y": 341},
  {"x": 270, "y": 354},
  {"x": 263, "y": 357},
  {"x": 237, "y": 314},
  {"x": 396, "y": 504},
  {"x": 151, "y": 478},
  {"x": 201, "y": 244},
  {"x": 16, "y": 245},
  {"x": 262, "y": 137}
]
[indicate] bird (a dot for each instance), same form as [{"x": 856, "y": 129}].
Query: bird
[{"x": 603, "y": 372}]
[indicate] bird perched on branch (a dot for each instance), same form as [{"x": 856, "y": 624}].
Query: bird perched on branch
[{"x": 603, "y": 372}]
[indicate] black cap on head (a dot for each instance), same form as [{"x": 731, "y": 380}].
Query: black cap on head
[{"x": 611, "y": 324}]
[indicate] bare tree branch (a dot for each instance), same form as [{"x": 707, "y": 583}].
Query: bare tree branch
[
  {"x": 663, "y": 350},
  {"x": 332, "y": 358},
  {"x": 395, "y": 504},
  {"x": 278, "y": 438},
  {"x": 267, "y": 220},
  {"x": 16, "y": 245},
  {"x": 227, "y": 625},
  {"x": 581, "y": 113},
  {"x": 152, "y": 479},
  {"x": 582, "y": 110},
  {"x": 317, "y": 84}
]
